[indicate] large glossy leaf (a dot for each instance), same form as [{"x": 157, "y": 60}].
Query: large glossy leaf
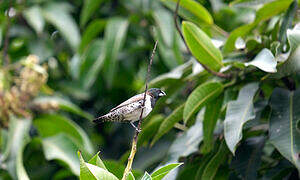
[
  {"x": 248, "y": 157},
  {"x": 63, "y": 21},
  {"x": 18, "y": 137},
  {"x": 61, "y": 147},
  {"x": 238, "y": 113},
  {"x": 89, "y": 7},
  {"x": 163, "y": 171},
  {"x": 284, "y": 131},
  {"x": 201, "y": 46},
  {"x": 50, "y": 125},
  {"x": 169, "y": 122},
  {"x": 150, "y": 129},
  {"x": 33, "y": 16},
  {"x": 265, "y": 61},
  {"x": 212, "y": 111},
  {"x": 187, "y": 7},
  {"x": 90, "y": 172},
  {"x": 115, "y": 34},
  {"x": 199, "y": 97},
  {"x": 62, "y": 104},
  {"x": 214, "y": 164},
  {"x": 92, "y": 30}
]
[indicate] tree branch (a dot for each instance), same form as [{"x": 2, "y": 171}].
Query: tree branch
[
  {"x": 219, "y": 74},
  {"x": 135, "y": 138}
]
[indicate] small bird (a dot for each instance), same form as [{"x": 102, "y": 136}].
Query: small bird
[{"x": 130, "y": 110}]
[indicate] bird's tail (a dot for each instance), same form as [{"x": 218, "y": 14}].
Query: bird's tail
[
  {"x": 108, "y": 117},
  {"x": 101, "y": 119}
]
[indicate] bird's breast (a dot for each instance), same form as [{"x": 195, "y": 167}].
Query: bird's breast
[{"x": 148, "y": 107}]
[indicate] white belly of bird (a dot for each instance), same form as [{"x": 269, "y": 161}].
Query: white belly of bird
[{"x": 134, "y": 116}]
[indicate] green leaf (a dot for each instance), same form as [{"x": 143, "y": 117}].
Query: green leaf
[
  {"x": 214, "y": 164},
  {"x": 93, "y": 29},
  {"x": 18, "y": 137},
  {"x": 264, "y": 13},
  {"x": 130, "y": 176},
  {"x": 199, "y": 97},
  {"x": 265, "y": 61},
  {"x": 204, "y": 161},
  {"x": 163, "y": 171},
  {"x": 201, "y": 46},
  {"x": 169, "y": 123},
  {"x": 235, "y": 34},
  {"x": 211, "y": 116},
  {"x": 171, "y": 77},
  {"x": 63, "y": 104},
  {"x": 92, "y": 63},
  {"x": 115, "y": 34},
  {"x": 290, "y": 66},
  {"x": 61, "y": 147},
  {"x": 95, "y": 160},
  {"x": 150, "y": 129},
  {"x": 89, "y": 171},
  {"x": 116, "y": 167},
  {"x": 146, "y": 177},
  {"x": 188, "y": 142},
  {"x": 248, "y": 157},
  {"x": 246, "y": 3},
  {"x": 237, "y": 114},
  {"x": 197, "y": 11},
  {"x": 271, "y": 9},
  {"x": 33, "y": 16},
  {"x": 294, "y": 37},
  {"x": 89, "y": 7},
  {"x": 284, "y": 132},
  {"x": 287, "y": 21},
  {"x": 55, "y": 14},
  {"x": 168, "y": 38},
  {"x": 50, "y": 125}
]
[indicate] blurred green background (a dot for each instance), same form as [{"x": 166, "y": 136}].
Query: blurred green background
[{"x": 66, "y": 62}]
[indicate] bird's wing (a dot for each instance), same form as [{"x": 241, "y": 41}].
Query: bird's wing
[{"x": 133, "y": 99}]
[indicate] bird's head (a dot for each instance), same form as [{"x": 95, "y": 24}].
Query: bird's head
[{"x": 156, "y": 93}]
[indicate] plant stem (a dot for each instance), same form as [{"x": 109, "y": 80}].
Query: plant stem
[
  {"x": 135, "y": 138},
  {"x": 218, "y": 74}
]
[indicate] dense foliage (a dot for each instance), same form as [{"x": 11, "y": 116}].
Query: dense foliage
[{"x": 230, "y": 70}]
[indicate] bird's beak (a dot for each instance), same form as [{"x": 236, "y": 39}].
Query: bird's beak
[{"x": 161, "y": 94}]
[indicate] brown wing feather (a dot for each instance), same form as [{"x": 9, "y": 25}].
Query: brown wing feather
[{"x": 133, "y": 99}]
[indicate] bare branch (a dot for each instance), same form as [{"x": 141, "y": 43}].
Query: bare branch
[
  {"x": 135, "y": 138},
  {"x": 219, "y": 74}
]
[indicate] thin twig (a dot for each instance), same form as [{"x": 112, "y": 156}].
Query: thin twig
[
  {"x": 135, "y": 138},
  {"x": 219, "y": 74}
]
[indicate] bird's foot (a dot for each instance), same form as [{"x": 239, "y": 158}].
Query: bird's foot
[{"x": 137, "y": 129}]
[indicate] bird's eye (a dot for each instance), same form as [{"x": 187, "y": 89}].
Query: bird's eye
[{"x": 162, "y": 94}]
